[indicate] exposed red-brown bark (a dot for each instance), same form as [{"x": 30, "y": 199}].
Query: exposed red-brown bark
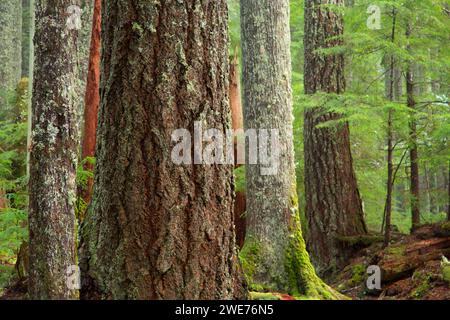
[
  {"x": 237, "y": 123},
  {"x": 235, "y": 94},
  {"x": 92, "y": 97},
  {"x": 157, "y": 229}
]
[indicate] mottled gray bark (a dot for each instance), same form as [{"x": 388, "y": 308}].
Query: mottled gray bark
[
  {"x": 333, "y": 204},
  {"x": 30, "y": 81},
  {"x": 26, "y": 32},
  {"x": 274, "y": 253},
  {"x": 10, "y": 47},
  {"x": 155, "y": 229},
  {"x": 53, "y": 153},
  {"x": 83, "y": 45}
]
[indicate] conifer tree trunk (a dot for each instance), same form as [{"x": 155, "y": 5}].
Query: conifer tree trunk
[
  {"x": 448, "y": 191},
  {"x": 30, "y": 81},
  {"x": 26, "y": 33},
  {"x": 53, "y": 153},
  {"x": 393, "y": 89},
  {"x": 333, "y": 204},
  {"x": 156, "y": 229},
  {"x": 92, "y": 97},
  {"x": 274, "y": 252},
  {"x": 83, "y": 54},
  {"x": 411, "y": 92},
  {"x": 237, "y": 123},
  {"x": 10, "y": 47},
  {"x": 235, "y": 94}
]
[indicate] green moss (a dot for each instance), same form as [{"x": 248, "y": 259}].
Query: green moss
[
  {"x": 358, "y": 274},
  {"x": 446, "y": 273},
  {"x": 364, "y": 240},
  {"x": 446, "y": 226},
  {"x": 303, "y": 280},
  {"x": 239, "y": 179},
  {"x": 424, "y": 284},
  {"x": 263, "y": 296},
  {"x": 396, "y": 250},
  {"x": 250, "y": 257}
]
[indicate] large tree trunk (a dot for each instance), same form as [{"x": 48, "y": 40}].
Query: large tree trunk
[
  {"x": 333, "y": 203},
  {"x": 164, "y": 230},
  {"x": 274, "y": 251},
  {"x": 10, "y": 47},
  {"x": 54, "y": 153},
  {"x": 92, "y": 99}
]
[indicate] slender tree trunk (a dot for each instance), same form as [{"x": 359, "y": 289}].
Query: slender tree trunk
[
  {"x": 164, "y": 231},
  {"x": 30, "y": 83},
  {"x": 390, "y": 171},
  {"x": 333, "y": 203},
  {"x": 237, "y": 124},
  {"x": 448, "y": 190},
  {"x": 83, "y": 53},
  {"x": 413, "y": 150},
  {"x": 92, "y": 98},
  {"x": 274, "y": 251},
  {"x": 235, "y": 94},
  {"x": 54, "y": 153},
  {"x": 10, "y": 47},
  {"x": 26, "y": 32},
  {"x": 3, "y": 200},
  {"x": 393, "y": 85}
]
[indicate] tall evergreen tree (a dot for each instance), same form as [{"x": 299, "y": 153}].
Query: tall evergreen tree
[
  {"x": 412, "y": 87},
  {"x": 54, "y": 153},
  {"x": 274, "y": 252},
  {"x": 333, "y": 204},
  {"x": 164, "y": 231}
]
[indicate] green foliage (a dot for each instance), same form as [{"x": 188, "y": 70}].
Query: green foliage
[
  {"x": 84, "y": 173},
  {"x": 13, "y": 182},
  {"x": 12, "y": 233},
  {"x": 239, "y": 179}
]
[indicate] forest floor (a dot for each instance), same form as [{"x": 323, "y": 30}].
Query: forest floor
[{"x": 411, "y": 268}]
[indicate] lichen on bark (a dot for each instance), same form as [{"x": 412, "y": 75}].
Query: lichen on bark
[
  {"x": 54, "y": 149},
  {"x": 155, "y": 229},
  {"x": 10, "y": 47},
  {"x": 274, "y": 254}
]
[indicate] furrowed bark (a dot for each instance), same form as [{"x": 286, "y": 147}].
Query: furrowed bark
[
  {"x": 333, "y": 203},
  {"x": 155, "y": 229}
]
